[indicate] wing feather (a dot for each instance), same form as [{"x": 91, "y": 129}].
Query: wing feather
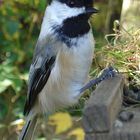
[{"x": 39, "y": 73}]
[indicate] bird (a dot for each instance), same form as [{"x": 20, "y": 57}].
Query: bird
[{"x": 61, "y": 61}]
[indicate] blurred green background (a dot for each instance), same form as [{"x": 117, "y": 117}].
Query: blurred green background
[{"x": 20, "y": 22}]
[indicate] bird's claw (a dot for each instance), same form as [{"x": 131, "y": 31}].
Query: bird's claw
[{"x": 108, "y": 72}]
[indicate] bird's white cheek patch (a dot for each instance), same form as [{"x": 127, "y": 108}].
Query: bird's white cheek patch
[
  {"x": 55, "y": 15},
  {"x": 60, "y": 11}
]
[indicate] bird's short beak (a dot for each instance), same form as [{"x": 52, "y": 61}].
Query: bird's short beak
[{"x": 91, "y": 10}]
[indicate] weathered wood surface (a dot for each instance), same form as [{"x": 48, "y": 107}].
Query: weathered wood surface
[
  {"x": 103, "y": 106},
  {"x": 128, "y": 131},
  {"x": 100, "y": 116}
]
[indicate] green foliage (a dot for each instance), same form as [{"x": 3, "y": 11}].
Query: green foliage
[
  {"x": 122, "y": 52},
  {"x": 20, "y": 24}
]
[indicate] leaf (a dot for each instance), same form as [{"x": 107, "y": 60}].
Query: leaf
[
  {"x": 62, "y": 121},
  {"x": 5, "y": 84},
  {"x": 78, "y": 133},
  {"x": 2, "y": 126},
  {"x": 17, "y": 84},
  {"x": 42, "y": 5},
  {"x": 11, "y": 27},
  {"x": 41, "y": 138},
  {"x": 18, "y": 123},
  {"x": 24, "y": 76},
  {"x": 10, "y": 77}
]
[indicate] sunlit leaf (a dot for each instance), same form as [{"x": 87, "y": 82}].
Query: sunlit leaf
[
  {"x": 78, "y": 133},
  {"x": 62, "y": 121},
  {"x": 4, "y": 85},
  {"x": 18, "y": 122},
  {"x": 24, "y": 76},
  {"x": 41, "y": 139},
  {"x": 17, "y": 84}
]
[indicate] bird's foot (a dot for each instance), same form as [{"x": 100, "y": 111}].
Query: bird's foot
[{"x": 107, "y": 73}]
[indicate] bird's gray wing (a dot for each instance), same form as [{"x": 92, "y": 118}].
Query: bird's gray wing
[{"x": 40, "y": 69}]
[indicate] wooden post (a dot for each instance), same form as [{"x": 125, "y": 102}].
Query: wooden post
[
  {"x": 103, "y": 106},
  {"x": 102, "y": 110}
]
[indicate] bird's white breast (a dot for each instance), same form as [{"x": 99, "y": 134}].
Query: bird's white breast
[{"x": 68, "y": 75}]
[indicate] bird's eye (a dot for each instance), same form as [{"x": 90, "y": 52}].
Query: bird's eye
[
  {"x": 75, "y": 3},
  {"x": 71, "y": 3}
]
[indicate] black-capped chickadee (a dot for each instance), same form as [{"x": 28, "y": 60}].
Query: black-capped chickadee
[{"x": 61, "y": 61}]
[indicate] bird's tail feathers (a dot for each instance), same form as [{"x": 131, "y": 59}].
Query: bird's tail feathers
[{"x": 29, "y": 128}]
